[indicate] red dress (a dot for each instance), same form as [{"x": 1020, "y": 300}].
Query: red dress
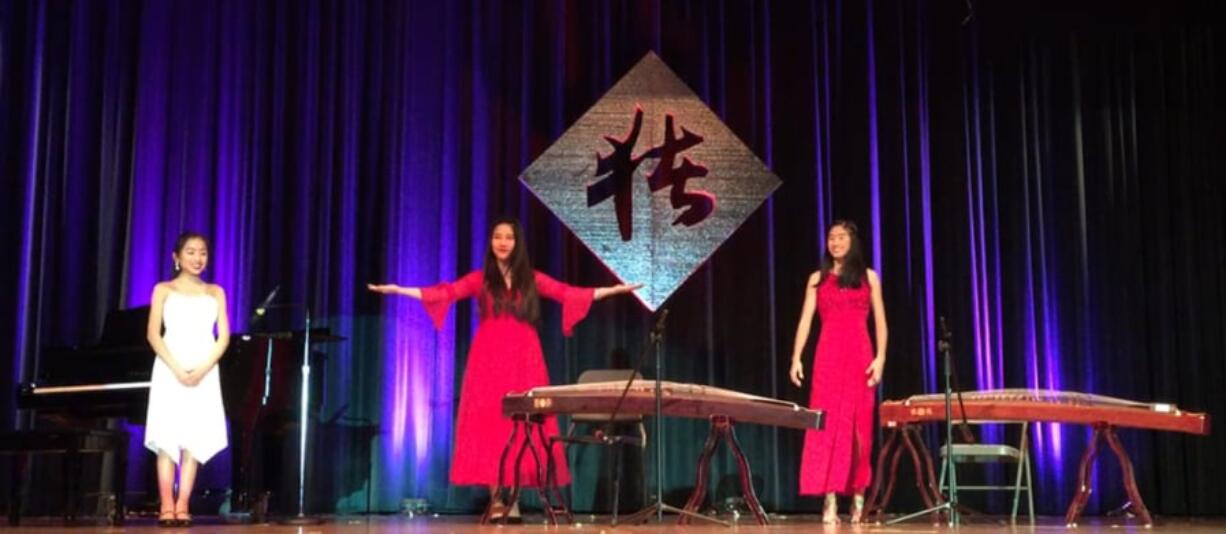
[
  {"x": 505, "y": 357},
  {"x": 830, "y": 462}
]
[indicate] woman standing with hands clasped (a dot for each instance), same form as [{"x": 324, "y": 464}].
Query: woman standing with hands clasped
[{"x": 186, "y": 421}]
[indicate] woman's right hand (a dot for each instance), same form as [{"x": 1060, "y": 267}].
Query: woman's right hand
[
  {"x": 185, "y": 377},
  {"x": 386, "y": 289},
  {"x": 797, "y": 373}
]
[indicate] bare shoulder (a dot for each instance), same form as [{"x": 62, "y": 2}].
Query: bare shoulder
[
  {"x": 161, "y": 288},
  {"x": 873, "y": 278},
  {"x": 815, "y": 277},
  {"x": 216, "y": 291}
]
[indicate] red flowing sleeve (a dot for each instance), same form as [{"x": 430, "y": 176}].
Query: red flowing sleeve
[
  {"x": 576, "y": 301},
  {"x": 438, "y": 298}
]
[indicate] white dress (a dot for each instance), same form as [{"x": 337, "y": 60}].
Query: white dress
[{"x": 182, "y": 417}]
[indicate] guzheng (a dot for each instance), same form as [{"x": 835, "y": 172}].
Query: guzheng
[
  {"x": 1103, "y": 414},
  {"x": 678, "y": 400},
  {"x": 1017, "y": 405},
  {"x": 723, "y": 408}
]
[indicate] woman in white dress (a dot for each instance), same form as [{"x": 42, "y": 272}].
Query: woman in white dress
[{"x": 186, "y": 423}]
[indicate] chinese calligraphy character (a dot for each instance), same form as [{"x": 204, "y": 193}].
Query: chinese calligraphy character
[
  {"x": 697, "y": 205},
  {"x": 620, "y": 166}
]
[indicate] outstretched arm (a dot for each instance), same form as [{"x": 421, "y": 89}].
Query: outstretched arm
[
  {"x": 438, "y": 298},
  {"x": 797, "y": 372},
  {"x": 393, "y": 289},
  {"x": 576, "y": 301},
  {"x": 874, "y": 369},
  {"x": 619, "y": 289}
]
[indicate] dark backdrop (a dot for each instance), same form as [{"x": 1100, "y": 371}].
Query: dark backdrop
[{"x": 1044, "y": 174}]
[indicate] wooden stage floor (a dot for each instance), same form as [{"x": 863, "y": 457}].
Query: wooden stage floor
[{"x": 588, "y": 524}]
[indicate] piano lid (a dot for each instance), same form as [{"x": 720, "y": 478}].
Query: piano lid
[{"x": 125, "y": 327}]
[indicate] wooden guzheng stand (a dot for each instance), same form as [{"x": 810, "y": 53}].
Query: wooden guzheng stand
[
  {"x": 723, "y": 408},
  {"x": 1104, "y": 414}
]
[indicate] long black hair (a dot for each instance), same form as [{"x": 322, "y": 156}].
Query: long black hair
[
  {"x": 523, "y": 279},
  {"x": 854, "y": 268}
]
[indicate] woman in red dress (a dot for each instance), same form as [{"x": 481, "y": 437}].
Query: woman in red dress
[
  {"x": 506, "y": 352},
  {"x": 835, "y": 460}
]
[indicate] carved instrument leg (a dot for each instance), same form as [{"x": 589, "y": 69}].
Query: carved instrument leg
[
  {"x": 539, "y": 470},
  {"x": 920, "y": 483},
  {"x": 704, "y": 467},
  {"x": 549, "y": 481},
  {"x": 1083, "y": 476},
  {"x": 495, "y": 504},
  {"x": 751, "y": 498},
  {"x": 1130, "y": 482},
  {"x": 893, "y": 479},
  {"x": 926, "y": 457},
  {"x": 872, "y": 505}
]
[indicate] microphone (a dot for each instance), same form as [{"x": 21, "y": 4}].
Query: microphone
[
  {"x": 943, "y": 330},
  {"x": 263, "y": 307},
  {"x": 659, "y": 327}
]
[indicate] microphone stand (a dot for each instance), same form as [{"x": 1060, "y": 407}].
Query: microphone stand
[
  {"x": 656, "y": 340},
  {"x": 301, "y": 518},
  {"x": 950, "y": 504}
]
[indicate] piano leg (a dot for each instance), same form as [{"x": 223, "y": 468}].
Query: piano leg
[
  {"x": 21, "y": 462},
  {"x": 1130, "y": 482},
  {"x": 120, "y": 484},
  {"x": 1083, "y": 478},
  {"x": 72, "y": 480}
]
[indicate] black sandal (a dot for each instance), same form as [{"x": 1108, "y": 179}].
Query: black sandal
[{"x": 167, "y": 519}]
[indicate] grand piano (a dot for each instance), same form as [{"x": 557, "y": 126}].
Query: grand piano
[
  {"x": 77, "y": 384},
  {"x": 79, "y": 387}
]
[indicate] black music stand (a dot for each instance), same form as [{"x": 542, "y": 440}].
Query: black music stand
[
  {"x": 950, "y": 504},
  {"x": 657, "y": 508},
  {"x": 301, "y": 518}
]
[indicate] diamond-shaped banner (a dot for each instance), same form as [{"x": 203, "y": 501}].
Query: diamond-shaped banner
[{"x": 650, "y": 180}]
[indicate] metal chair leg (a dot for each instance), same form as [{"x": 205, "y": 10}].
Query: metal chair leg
[
  {"x": 1029, "y": 486},
  {"x": 1017, "y": 481},
  {"x": 617, "y": 482}
]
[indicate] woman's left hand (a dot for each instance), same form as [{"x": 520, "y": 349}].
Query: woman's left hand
[
  {"x": 625, "y": 288},
  {"x": 874, "y": 372},
  {"x": 615, "y": 290}
]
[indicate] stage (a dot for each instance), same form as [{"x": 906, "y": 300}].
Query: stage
[
  {"x": 1037, "y": 187},
  {"x": 781, "y": 524}
]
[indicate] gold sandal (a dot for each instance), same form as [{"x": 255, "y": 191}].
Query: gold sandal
[
  {"x": 830, "y": 512},
  {"x": 857, "y": 510}
]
